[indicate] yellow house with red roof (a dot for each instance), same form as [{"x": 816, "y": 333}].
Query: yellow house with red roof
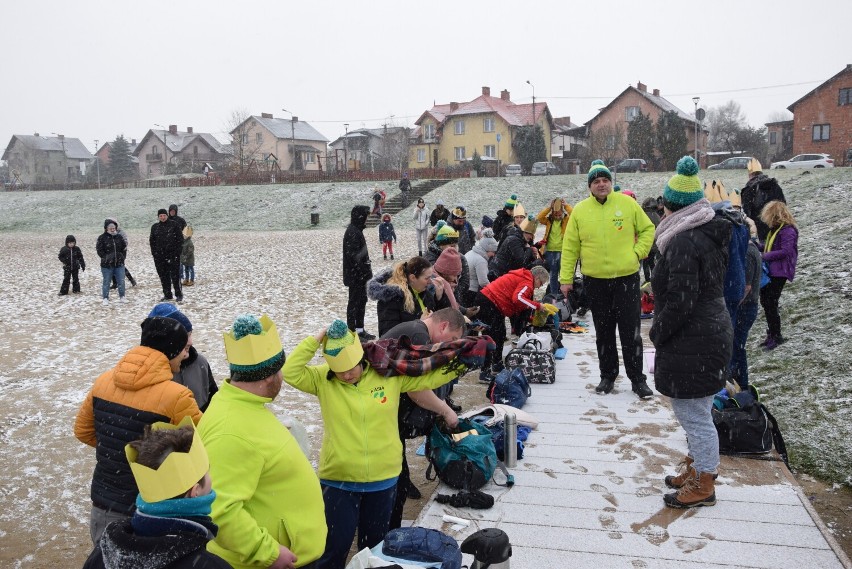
[{"x": 447, "y": 135}]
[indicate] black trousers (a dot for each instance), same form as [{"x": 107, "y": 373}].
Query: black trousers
[
  {"x": 496, "y": 321},
  {"x": 356, "y": 306},
  {"x": 615, "y": 303},
  {"x": 68, "y": 277},
  {"x": 169, "y": 273},
  {"x": 770, "y": 295}
]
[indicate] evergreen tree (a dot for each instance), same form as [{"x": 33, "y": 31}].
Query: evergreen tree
[
  {"x": 671, "y": 139},
  {"x": 121, "y": 168},
  {"x": 640, "y": 138},
  {"x": 529, "y": 146},
  {"x": 476, "y": 164}
]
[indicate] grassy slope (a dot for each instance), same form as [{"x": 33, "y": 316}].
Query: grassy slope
[{"x": 807, "y": 382}]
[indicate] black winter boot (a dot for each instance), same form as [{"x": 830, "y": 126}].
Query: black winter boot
[{"x": 605, "y": 386}]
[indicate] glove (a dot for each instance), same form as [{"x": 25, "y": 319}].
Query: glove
[
  {"x": 549, "y": 309},
  {"x": 475, "y": 499}
]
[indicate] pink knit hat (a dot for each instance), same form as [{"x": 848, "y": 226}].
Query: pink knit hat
[{"x": 449, "y": 263}]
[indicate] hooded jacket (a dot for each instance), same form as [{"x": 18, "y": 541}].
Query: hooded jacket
[
  {"x": 502, "y": 220},
  {"x": 386, "y": 232},
  {"x": 71, "y": 257},
  {"x": 138, "y": 391},
  {"x": 390, "y": 301},
  {"x": 166, "y": 240},
  {"x": 176, "y": 218},
  {"x": 477, "y": 262},
  {"x": 784, "y": 255},
  {"x": 758, "y": 192},
  {"x": 195, "y": 374},
  {"x": 111, "y": 249},
  {"x": 735, "y": 278},
  {"x": 692, "y": 330},
  {"x": 357, "y": 269},
  {"x": 514, "y": 252},
  {"x": 439, "y": 213},
  {"x": 513, "y": 292},
  {"x": 421, "y": 218}
]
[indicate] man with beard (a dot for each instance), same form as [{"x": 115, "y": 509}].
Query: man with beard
[{"x": 357, "y": 270}]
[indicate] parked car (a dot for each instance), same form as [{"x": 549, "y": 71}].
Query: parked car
[
  {"x": 735, "y": 163},
  {"x": 513, "y": 170},
  {"x": 543, "y": 169},
  {"x": 631, "y": 165},
  {"x": 805, "y": 161}
]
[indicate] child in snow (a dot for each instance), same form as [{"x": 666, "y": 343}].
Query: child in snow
[
  {"x": 187, "y": 257},
  {"x": 72, "y": 261},
  {"x": 387, "y": 236},
  {"x": 378, "y": 202}
]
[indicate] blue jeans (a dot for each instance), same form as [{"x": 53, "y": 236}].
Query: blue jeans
[
  {"x": 345, "y": 511},
  {"x": 694, "y": 415},
  {"x": 746, "y": 315},
  {"x": 108, "y": 273},
  {"x": 188, "y": 272},
  {"x": 552, "y": 262}
]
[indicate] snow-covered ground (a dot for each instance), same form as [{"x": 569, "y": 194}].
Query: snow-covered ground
[{"x": 256, "y": 252}]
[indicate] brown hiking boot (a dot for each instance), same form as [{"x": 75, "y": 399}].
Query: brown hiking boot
[
  {"x": 685, "y": 472},
  {"x": 700, "y": 491}
]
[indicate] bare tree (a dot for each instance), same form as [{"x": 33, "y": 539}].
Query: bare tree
[
  {"x": 607, "y": 143},
  {"x": 725, "y": 123},
  {"x": 244, "y": 143},
  {"x": 779, "y": 116}
]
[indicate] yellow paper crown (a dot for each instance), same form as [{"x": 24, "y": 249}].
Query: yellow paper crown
[
  {"x": 178, "y": 473},
  {"x": 253, "y": 349}
]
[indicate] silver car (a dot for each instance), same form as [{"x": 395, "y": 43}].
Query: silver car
[
  {"x": 543, "y": 169},
  {"x": 805, "y": 161},
  {"x": 513, "y": 170}
]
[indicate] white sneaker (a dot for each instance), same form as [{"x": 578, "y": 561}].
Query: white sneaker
[
  {"x": 122, "y": 299},
  {"x": 105, "y": 302}
]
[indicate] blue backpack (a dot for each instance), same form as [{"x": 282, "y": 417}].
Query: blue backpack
[
  {"x": 423, "y": 545},
  {"x": 510, "y": 387}
]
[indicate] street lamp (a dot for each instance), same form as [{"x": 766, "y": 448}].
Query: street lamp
[
  {"x": 293, "y": 120},
  {"x": 695, "y": 100},
  {"x": 533, "y": 89},
  {"x": 98, "y": 163},
  {"x": 64, "y": 160},
  {"x": 165, "y": 147},
  {"x": 346, "y": 148}
]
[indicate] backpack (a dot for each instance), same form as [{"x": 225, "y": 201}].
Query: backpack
[
  {"x": 465, "y": 464},
  {"x": 745, "y": 426},
  {"x": 418, "y": 544},
  {"x": 509, "y": 387}
]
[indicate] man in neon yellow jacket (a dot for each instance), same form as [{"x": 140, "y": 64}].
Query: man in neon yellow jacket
[
  {"x": 269, "y": 505},
  {"x": 609, "y": 234}
]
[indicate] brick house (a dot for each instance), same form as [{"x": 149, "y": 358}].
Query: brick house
[
  {"x": 822, "y": 119},
  {"x": 181, "y": 151},
  {"x": 47, "y": 160},
  {"x": 613, "y": 120}
]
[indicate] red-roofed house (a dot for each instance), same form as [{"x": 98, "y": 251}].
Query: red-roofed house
[{"x": 447, "y": 135}]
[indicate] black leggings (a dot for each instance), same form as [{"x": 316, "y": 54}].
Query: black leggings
[
  {"x": 769, "y": 298},
  {"x": 491, "y": 315}
]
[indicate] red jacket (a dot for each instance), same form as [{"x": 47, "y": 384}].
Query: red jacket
[{"x": 512, "y": 293}]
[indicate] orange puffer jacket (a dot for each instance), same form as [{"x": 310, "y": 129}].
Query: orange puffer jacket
[{"x": 138, "y": 391}]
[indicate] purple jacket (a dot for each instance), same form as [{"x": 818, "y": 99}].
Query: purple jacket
[{"x": 784, "y": 254}]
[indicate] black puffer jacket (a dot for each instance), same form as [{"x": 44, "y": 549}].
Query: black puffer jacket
[
  {"x": 501, "y": 222},
  {"x": 176, "y": 218},
  {"x": 390, "y": 302},
  {"x": 166, "y": 241},
  {"x": 111, "y": 249},
  {"x": 513, "y": 253},
  {"x": 692, "y": 329},
  {"x": 758, "y": 192},
  {"x": 357, "y": 269},
  {"x": 72, "y": 257}
]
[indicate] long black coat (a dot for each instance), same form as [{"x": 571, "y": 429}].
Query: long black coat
[
  {"x": 513, "y": 253},
  {"x": 166, "y": 241},
  {"x": 758, "y": 192},
  {"x": 390, "y": 302},
  {"x": 357, "y": 269},
  {"x": 692, "y": 329},
  {"x": 112, "y": 249}
]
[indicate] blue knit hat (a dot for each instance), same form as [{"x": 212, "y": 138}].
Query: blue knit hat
[
  {"x": 167, "y": 310},
  {"x": 599, "y": 170},
  {"x": 684, "y": 188}
]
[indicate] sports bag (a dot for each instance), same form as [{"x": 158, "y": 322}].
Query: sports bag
[
  {"x": 425, "y": 545},
  {"x": 510, "y": 387},
  {"x": 536, "y": 340},
  {"x": 538, "y": 366},
  {"x": 465, "y": 464},
  {"x": 747, "y": 429}
]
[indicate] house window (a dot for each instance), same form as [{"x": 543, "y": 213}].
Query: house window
[
  {"x": 610, "y": 142},
  {"x": 773, "y": 138},
  {"x": 244, "y": 138},
  {"x": 46, "y": 169},
  {"x": 488, "y": 124},
  {"x": 310, "y": 157},
  {"x": 421, "y": 155},
  {"x": 258, "y": 138},
  {"x": 459, "y": 127},
  {"x": 155, "y": 150},
  {"x": 844, "y": 97},
  {"x": 490, "y": 151},
  {"x": 429, "y": 131},
  {"x": 459, "y": 153},
  {"x": 822, "y": 132},
  {"x": 631, "y": 113},
  {"x": 195, "y": 150}
]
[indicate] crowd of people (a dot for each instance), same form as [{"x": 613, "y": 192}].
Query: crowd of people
[{"x": 205, "y": 475}]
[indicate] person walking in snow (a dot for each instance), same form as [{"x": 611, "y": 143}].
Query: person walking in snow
[
  {"x": 421, "y": 226},
  {"x": 780, "y": 253},
  {"x": 387, "y": 236},
  {"x": 72, "y": 261}
]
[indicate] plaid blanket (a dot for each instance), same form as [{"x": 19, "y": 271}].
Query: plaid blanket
[{"x": 394, "y": 356}]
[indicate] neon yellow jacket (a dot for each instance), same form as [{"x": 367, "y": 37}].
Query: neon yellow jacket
[
  {"x": 608, "y": 238},
  {"x": 266, "y": 490},
  {"x": 360, "y": 441}
]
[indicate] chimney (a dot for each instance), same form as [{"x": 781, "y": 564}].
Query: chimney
[
  {"x": 453, "y": 106},
  {"x": 189, "y": 130},
  {"x": 35, "y": 134},
  {"x": 266, "y": 115},
  {"x": 656, "y": 92},
  {"x": 642, "y": 87},
  {"x": 172, "y": 129},
  {"x": 504, "y": 94},
  {"x": 133, "y": 141},
  {"x": 486, "y": 91}
]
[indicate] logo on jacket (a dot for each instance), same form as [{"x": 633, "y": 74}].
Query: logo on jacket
[
  {"x": 379, "y": 393},
  {"x": 618, "y": 221}
]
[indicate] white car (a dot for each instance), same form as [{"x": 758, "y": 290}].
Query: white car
[
  {"x": 805, "y": 161},
  {"x": 513, "y": 170},
  {"x": 543, "y": 169}
]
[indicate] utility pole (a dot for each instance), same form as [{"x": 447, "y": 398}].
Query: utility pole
[
  {"x": 533, "y": 90},
  {"x": 346, "y": 148},
  {"x": 695, "y": 100},
  {"x": 98, "y": 163}
]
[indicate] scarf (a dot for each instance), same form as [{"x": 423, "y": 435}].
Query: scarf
[
  {"x": 177, "y": 507},
  {"x": 770, "y": 241},
  {"x": 392, "y": 356},
  {"x": 684, "y": 219}
]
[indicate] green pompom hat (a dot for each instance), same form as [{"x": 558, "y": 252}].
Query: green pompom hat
[
  {"x": 599, "y": 170},
  {"x": 684, "y": 188}
]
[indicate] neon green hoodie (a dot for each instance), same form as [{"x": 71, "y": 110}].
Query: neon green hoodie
[
  {"x": 608, "y": 238},
  {"x": 360, "y": 441},
  {"x": 266, "y": 490}
]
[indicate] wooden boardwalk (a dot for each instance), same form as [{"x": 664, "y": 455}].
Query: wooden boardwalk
[{"x": 588, "y": 491}]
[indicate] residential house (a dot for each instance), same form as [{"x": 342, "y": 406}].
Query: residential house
[
  {"x": 822, "y": 119},
  {"x": 46, "y": 160},
  {"x": 267, "y": 143},
  {"x": 448, "y": 134},
  {"x": 371, "y": 149},
  {"x": 608, "y": 129},
  {"x": 172, "y": 151},
  {"x": 568, "y": 144},
  {"x": 103, "y": 153},
  {"x": 780, "y": 137}
]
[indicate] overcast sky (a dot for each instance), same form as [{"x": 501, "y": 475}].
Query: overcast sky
[{"x": 96, "y": 69}]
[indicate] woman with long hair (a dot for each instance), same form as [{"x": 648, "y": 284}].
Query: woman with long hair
[{"x": 780, "y": 253}]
